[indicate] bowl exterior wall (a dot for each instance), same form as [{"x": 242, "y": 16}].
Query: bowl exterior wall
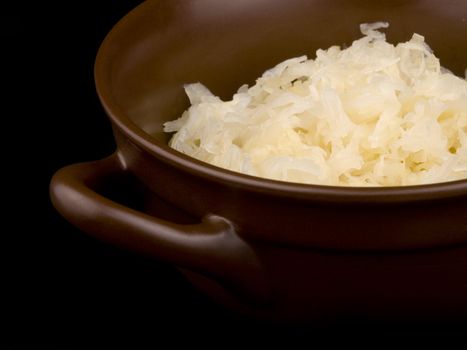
[{"x": 313, "y": 264}]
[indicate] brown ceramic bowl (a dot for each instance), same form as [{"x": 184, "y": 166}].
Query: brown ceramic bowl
[{"x": 274, "y": 249}]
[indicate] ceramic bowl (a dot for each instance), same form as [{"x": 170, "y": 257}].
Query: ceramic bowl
[{"x": 274, "y": 249}]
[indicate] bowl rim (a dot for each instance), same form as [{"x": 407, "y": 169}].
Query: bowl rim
[{"x": 321, "y": 193}]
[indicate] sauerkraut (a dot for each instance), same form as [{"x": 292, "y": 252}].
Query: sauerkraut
[{"x": 372, "y": 114}]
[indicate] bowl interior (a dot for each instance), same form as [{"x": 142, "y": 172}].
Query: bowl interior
[{"x": 164, "y": 44}]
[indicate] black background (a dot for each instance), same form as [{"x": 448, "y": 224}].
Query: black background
[{"x": 64, "y": 289}]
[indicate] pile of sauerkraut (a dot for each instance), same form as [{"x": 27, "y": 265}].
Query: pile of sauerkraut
[{"x": 373, "y": 114}]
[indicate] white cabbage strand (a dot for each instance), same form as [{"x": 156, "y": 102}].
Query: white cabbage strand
[{"x": 373, "y": 114}]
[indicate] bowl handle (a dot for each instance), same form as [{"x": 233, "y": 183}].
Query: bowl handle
[{"x": 210, "y": 247}]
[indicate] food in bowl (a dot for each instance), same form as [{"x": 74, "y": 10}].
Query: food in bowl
[{"x": 372, "y": 114}]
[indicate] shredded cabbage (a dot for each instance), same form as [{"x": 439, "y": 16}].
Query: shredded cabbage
[{"x": 373, "y": 114}]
